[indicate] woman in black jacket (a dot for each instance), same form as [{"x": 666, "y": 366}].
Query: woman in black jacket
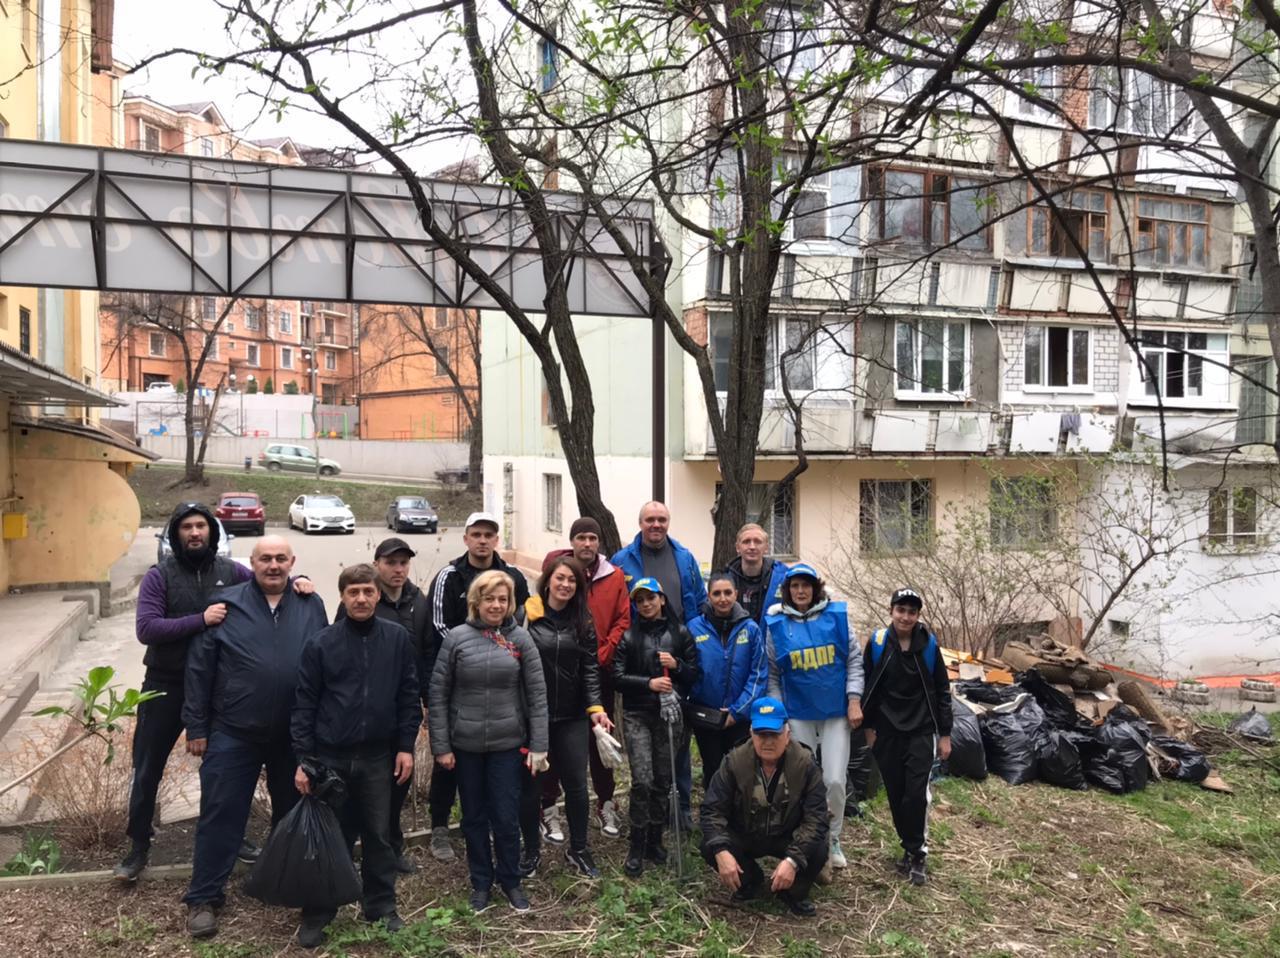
[
  {"x": 560, "y": 625},
  {"x": 654, "y": 667}
]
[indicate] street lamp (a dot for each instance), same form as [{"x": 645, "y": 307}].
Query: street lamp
[{"x": 308, "y": 360}]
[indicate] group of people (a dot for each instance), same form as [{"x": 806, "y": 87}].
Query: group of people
[{"x": 756, "y": 664}]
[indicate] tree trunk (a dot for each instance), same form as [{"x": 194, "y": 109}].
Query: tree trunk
[
  {"x": 193, "y": 474},
  {"x": 475, "y": 456}
]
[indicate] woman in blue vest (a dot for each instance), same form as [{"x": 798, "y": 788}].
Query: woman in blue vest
[
  {"x": 816, "y": 669},
  {"x": 734, "y": 673}
]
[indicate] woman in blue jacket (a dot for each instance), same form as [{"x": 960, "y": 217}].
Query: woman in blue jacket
[
  {"x": 730, "y": 651},
  {"x": 816, "y": 669}
]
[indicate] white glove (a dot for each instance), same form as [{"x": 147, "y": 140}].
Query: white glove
[
  {"x": 669, "y": 707},
  {"x": 536, "y": 762},
  {"x": 610, "y": 748}
]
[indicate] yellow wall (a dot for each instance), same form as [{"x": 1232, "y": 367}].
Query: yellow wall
[
  {"x": 81, "y": 513},
  {"x": 18, "y": 114}
]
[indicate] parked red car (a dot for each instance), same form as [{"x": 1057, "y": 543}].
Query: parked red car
[{"x": 242, "y": 511}]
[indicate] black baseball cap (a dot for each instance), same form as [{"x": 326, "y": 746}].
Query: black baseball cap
[
  {"x": 390, "y": 546},
  {"x": 907, "y": 597}
]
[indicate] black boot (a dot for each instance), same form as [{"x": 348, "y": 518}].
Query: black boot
[
  {"x": 654, "y": 850},
  {"x": 634, "y": 864}
]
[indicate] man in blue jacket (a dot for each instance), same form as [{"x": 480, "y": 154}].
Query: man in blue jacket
[
  {"x": 756, "y": 574},
  {"x": 240, "y": 682},
  {"x": 655, "y": 554}
]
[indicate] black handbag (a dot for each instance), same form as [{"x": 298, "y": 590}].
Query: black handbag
[{"x": 708, "y": 718}]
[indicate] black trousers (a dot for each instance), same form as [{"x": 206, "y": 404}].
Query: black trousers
[
  {"x": 714, "y": 746},
  {"x": 157, "y": 730},
  {"x": 747, "y": 848},
  {"x": 441, "y": 794},
  {"x": 568, "y": 758},
  {"x": 905, "y": 762}
]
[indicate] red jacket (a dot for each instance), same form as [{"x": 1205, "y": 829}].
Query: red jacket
[{"x": 608, "y": 602}]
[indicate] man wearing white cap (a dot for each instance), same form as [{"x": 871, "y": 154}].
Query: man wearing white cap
[{"x": 447, "y": 602}]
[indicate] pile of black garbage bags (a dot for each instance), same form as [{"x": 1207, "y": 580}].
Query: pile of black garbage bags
[{"x": 1032, "y": 731}]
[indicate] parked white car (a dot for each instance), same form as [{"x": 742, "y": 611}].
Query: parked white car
[{"x": 321, "y": 513}]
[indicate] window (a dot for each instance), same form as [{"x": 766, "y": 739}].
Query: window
[
  {"x": 442, "y": 318},
  {"x": 213, "y": 347},
  {"x": 1056, "y": 357},
  {"x": 894, "y": 516},
  {"x": 1184, "y": 365},
  {"x": 150, "y": 138},
  {"x": 252, "y": 317},
  {"x": 252, "y": 357},
  {"x": 209, "y": 308},
  {"x": 286, "y": 357},
  {"x": 329, "y": 393},
  {"x": 1023, "y": 511},
  {"x": 1038, "y": 84},
  {"x": 442, "y": 360},
  {"x": 156, "y": 344},
  {"x": 548, "y": 64},
  {"x": 933, "y": 209},
  {"x": 930, "y": 357},
  {"x": 24, "y": 329},
  {"x": 800, "y": 360},
  {"x": 809, "y": 213},
  {"x": 1255, "y": 423},
  {"x": 1171, "y": 232},
  {"x": 1135, "y": 102},
  {"x": 1233, "y": 516},
  {"x": 1119, "y": 628},
  {"x": 1081, "y": 214},
  {"x": 791, "y": 37},
  {"x": 780, "y": 524},
  {"x": 285, "y": 321},
  {"x": 330, "y": 359},
  {"x": 552, "y": 496},
  {"x": 206, "y": 146}
]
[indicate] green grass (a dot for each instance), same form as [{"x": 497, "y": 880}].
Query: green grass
[{"x": 157, "y": 494}]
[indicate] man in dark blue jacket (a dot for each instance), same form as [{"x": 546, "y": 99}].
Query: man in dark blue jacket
[
  {"x": 240, "y": 683},
  {"x": 357, "y": 712}
]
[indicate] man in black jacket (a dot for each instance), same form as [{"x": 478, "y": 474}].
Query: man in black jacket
[
  {"x": 767, "y": 799},
  {"x": 447, "y": 599},
  {"x": 240, "y": 683},
  {"x": 906, "y": 706},
  {"x": 357, "y": 711}
]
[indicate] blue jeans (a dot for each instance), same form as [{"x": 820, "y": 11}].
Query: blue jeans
[
  {"x": 228, "y": 778},
  {"x": 489, "y": 785}
]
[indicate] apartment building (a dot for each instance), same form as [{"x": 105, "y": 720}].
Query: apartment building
[{"x": 952, "y": 342}]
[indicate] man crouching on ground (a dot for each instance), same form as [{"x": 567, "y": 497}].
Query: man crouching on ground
[
  {"x": 767, "y": 799},
  {"x": 357, "y": 712}
]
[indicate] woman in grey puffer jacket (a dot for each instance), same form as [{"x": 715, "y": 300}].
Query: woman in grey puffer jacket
[{"x": 488, "y": 700}]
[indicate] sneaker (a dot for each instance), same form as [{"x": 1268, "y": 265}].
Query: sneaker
[
  {"x": 202, "y": 922},
  {"x": 552, "y": 825},
  {"x": 836, "y": 857},
  {"x": 903, "y": 865},
  {"x": 634, "y": 863},
  {"x": 133, "y": 864},
  {"x": 609, "y": 819},
  {"x": 518, "y": 899},
  {"x": 800, "y": 907},
  {"x": 919, "y": 873},
  {"x": 406, "y": 865},
  {"x": 481, "y": 898},
  {"x": 311, "y": 934},
  {"x": 441, "y": 847},
  {"x": 248, "y": 852},
  {"x": 390, "y": 921},
  {"x": 582, "y": 863},
  {"x": 529, "y": 862}
]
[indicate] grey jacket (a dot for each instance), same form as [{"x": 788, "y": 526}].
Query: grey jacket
[{"x": 486, "y": 697}]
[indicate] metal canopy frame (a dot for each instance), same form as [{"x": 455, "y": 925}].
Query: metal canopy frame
[{"x": 80, "y": 217}]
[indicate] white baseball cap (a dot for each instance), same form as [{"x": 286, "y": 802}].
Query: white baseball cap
[{"x": 488, "y": 517}]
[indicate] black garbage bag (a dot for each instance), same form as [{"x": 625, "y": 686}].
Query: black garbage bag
[
  {"x": 862, "y": 781},
  {"x": 988, "y": 693},
  {"x": 305, "y": 862},
  {"x": 1116, "y": 756},
  {"x": 1058, "y": 761},
  {"x": 1059, "y": 709},
  {"x": 1011, "y": 740},
  {"x": 968, "y": 758},
  {"x": 1252, "y": 724},
  {"x": 1180, "y": 761}
]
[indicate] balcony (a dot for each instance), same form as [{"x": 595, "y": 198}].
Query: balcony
[{"x": 331, "y": 338}]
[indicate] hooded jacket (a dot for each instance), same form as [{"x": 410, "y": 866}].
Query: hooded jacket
[
  {"x": 447, "y": 600},
  {"x": 771, "y": 576},
  {"x": 357, "y": 691},
  {"x": 737, "y": 804},
  {"x": 693, "y": 591},
  {"x": 242, "y": 673},
  {"x": 486, "y": 695},
  {"x": 174, "y": 594},
  {"x": 636, "y": 662},
  {"x": 814, "y": 666},
  {"x": 609, "y": 604},
  {"x": 734, "y": 671},
  {"x": 412, "y": 613},
  {"x": 935, "y": 686},
  {"x": 570, "y": 667}
]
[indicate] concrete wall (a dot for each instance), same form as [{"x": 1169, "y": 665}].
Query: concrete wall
[{"x": 412, "y": 460}]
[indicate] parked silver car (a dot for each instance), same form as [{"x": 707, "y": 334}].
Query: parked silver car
[
  {"x": 412, "y": 514},
  {"x": 321, "y": 513}
]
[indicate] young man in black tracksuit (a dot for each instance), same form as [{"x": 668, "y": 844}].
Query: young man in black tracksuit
[
  {"x": 907, "y": 713},
  {"x": 357, "y": 711},
  {"x": 447, "y": 607}
]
